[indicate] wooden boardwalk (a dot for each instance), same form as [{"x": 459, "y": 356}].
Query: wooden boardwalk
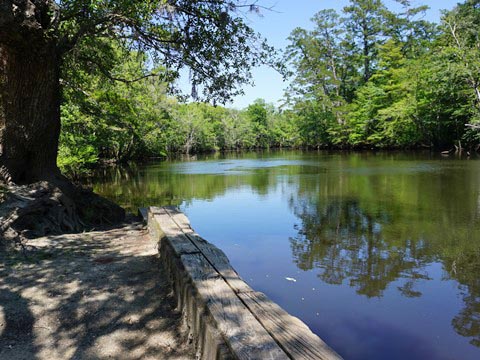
[{"x": 226, "y": 317}]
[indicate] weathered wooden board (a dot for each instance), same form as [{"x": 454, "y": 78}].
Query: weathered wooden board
[
  {"x": 247, "y": 338},
  {"x": 298, "y": 341},
  {"x": 179, "y": 241},
  {"x": 214, "y": 305},
  {"x": 214, "y": 255},
  {"x": 218, "y": 303}
]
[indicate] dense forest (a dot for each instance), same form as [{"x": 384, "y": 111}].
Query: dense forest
[{"x": 365, "y": 78}]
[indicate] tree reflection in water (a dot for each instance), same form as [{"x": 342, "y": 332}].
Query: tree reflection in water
[
  {"x": 349, "y": 245},
  {"x": 467, "y": 273},
  {"x": 346, "y": 244}
]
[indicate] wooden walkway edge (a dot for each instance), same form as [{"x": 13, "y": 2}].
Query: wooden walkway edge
[{"x": 227, "y": 319}]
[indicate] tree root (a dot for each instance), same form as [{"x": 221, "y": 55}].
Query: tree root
[{"x": 53, "y": 207}]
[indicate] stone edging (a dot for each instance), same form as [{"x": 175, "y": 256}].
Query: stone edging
[{"x": 227, "y": 319}]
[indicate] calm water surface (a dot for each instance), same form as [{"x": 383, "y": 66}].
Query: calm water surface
[{"x": 384, "y": 248}]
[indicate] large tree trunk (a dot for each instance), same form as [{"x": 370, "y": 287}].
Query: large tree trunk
[
  {"x": 30, "y": 129},
  {"x": 29, "y": 90}
]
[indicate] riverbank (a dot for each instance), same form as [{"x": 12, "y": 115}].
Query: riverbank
[
  {"x": 103, "y": 166},
  {"x": 98, "y": 294}
]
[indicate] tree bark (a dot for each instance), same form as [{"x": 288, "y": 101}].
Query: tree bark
[
  {"x": 29, "y": 90},
  {"x": 30, "y": 128}
]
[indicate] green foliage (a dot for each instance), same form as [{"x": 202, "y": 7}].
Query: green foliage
[
  {"x": 364, "y": 24},
  {"x": 256, "y": 114},
  {"x": 76, "y": 153},
  {"x": 118, "y": 121},
  {"x": 120, "y": 60},
  {"x": 209, "y": 38},
  {"x": 460, "y": 46},
  {"x": 366, "y": 78},
  {"x": 389, "y": 80}
]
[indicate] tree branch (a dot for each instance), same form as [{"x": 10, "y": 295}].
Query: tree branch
[
  {"x": 473, "y": 126},
  {"x": 109, "y": 75}
]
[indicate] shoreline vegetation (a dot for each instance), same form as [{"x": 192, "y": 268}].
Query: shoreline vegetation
[
  {"x": 455, "y": 150},
  {"x": 398, "y": 82}
]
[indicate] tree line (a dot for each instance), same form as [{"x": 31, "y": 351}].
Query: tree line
[
  {"x": 106, "y": 119},
  {"x": 367, "y": 77}
]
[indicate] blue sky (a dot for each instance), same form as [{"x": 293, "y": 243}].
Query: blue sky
[{"x": 288, "y": 14}]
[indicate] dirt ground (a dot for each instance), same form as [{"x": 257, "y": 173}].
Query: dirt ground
[{"x": 96, "y": 295}]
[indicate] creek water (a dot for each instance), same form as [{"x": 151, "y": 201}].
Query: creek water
[{"x": 379, "y": 253}]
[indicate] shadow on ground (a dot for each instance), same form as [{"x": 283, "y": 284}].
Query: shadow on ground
[{"x": 94, "y": 295}]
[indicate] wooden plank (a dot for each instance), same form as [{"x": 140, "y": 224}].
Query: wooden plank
[
  {"x": 295, "y": 338},
  {"x": 180, "y": 243},
  {"x": 214, "y": 255},
  {"x": 243, "y": 316},
  {"x": 246, "y": 337}
]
